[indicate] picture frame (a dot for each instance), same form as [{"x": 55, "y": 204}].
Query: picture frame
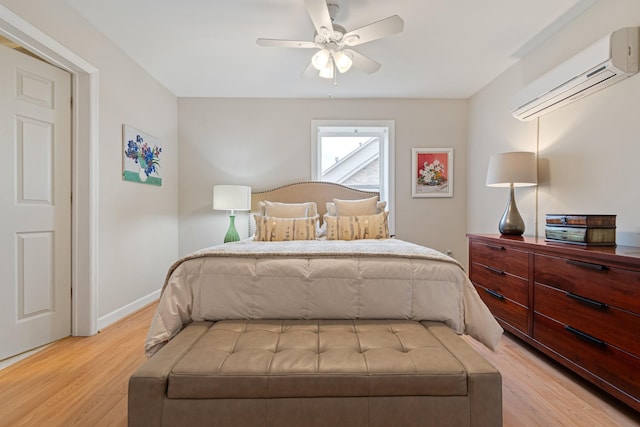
[
  {"x": 141, "y": 154},
  {"x": 432, "y": 172}
]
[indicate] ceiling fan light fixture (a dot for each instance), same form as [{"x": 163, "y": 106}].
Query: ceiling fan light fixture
[
  {"x": 321, "y": 59},
  {"x": 333, "y": 41},
  {"x": 328, "y": 71},
  {"x": 343, "y": 61}
]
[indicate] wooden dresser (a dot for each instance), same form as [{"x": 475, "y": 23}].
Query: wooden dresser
[{"x": 579, "y": 305}]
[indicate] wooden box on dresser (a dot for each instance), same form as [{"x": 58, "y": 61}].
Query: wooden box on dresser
[{"x": 578, "y": 304}]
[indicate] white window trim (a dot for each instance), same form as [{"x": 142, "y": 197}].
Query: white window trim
[{"x": 388, "y": 154}]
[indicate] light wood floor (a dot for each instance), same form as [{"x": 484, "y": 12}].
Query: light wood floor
[
  {"x": 537, "y": 391},
  {"x": 82, "y": 381}
]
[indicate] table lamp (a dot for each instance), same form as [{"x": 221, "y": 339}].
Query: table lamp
[
  {"x": 516, "y": 169},
  {"x": 231, "y": 198}
]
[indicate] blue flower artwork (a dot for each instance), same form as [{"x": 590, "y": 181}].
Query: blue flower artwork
[{"x": 141, "y": 157}]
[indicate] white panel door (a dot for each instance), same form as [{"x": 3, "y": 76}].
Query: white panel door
[{"x": 35, "y": 203}]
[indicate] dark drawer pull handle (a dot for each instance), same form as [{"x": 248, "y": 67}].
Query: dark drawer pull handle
[
  {"x": 496, "y": 247},
  {"x": 494, "y": 270},
  {"x": 587, "y": 265},
  {"x": 585, "y": 336},
  {"x": 494, "y": 294},
  {"x": 596, "y": 304}
]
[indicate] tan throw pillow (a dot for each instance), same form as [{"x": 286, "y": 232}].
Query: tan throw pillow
[
  {"x": 357, "y": 227},
  {"x": 331, "y": 208},
  {"x": 288, "y": 210},
  {"x": 270, "y": 229},
  {"x": 356, "y": 207}
]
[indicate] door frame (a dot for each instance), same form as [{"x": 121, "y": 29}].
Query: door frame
[{"x": 84, "y": 163}]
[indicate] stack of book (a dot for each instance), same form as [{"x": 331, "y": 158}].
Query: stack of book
[{"x": 593, "y": 230}]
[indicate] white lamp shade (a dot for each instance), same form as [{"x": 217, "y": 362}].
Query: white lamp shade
[
  {"x": 327, "y": 72},
  {"x": 231, "y": 197},
  {"x": 517, "y": 168},
  {"x": 343, "y": 61},
  {"x": 320, "y": 59}
]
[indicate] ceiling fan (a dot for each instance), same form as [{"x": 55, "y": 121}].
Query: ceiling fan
[{"x": 334, "y": 42}]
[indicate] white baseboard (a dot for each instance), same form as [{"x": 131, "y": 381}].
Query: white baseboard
[
  {"x": 15, "y": 359},
  {"x": 136, "y": 305}
]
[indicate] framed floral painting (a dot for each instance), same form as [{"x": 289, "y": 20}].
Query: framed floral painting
[
  {"x": 432, "y": 172},
  {"x": 140, "y": 157}
]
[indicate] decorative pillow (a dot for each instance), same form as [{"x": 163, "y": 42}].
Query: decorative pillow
[
  {"x": 270, "y": 229},
  {"x": 331, "y": 208},
  {"x": 288, "y": 210},
  {"x": 357, "y": 227},
  {"x": 356, "y": 207}
]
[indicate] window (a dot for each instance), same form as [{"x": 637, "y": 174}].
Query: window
[{"x": 358, "y": 154}]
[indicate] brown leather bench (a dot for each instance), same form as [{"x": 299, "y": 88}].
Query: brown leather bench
[{"x": 316, "y": 373}]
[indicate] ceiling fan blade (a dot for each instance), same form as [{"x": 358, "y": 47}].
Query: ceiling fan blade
[
  {"x": 319, "y": 13},
  {"x": 391, "y": 25},
  {"x": 362, "y": 62},
  {"x": 285, "y": 43},
  {"x": 310, "y": 71}
]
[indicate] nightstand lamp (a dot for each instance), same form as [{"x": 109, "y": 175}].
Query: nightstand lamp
[
  {"x": 516, "y": 169},
  {"x": 231, "y": 198}
]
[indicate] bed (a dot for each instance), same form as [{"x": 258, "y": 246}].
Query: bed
[{"x": 320, "y": 319}]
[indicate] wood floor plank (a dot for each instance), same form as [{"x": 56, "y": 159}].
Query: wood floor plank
[
  {"x": 83, "y": 381},
  {"x": 77, "y": 381},
  {"x": 537, "y": 391}
]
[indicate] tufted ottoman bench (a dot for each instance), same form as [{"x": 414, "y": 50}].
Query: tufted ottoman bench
[{"x": 316, "y": 373}]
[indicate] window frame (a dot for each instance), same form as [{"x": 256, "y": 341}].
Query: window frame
[{"x": 387, "y": 154}]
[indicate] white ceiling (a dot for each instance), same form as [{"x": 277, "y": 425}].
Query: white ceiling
[{"x": 207, "y": 48}]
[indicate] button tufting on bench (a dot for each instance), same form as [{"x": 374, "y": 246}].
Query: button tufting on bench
[{"x": 261, "y": 358}]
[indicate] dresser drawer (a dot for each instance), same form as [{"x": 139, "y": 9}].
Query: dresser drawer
[
  {"x": 602, "y": 360},
  {"x": 503, "y": 258},
  {"x": 580, "y": 305},
  {"x": 610, "y": 285},
  {"x": 505, "y": 309},
  {"x": 513, "y": 287},
  {"x": 618, "y": 327}
]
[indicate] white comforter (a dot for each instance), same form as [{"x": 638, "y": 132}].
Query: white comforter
[{"x": 331, "y": 279}]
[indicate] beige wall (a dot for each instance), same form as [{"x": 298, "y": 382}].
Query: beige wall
[
  {"x": 267, "y": 142},
  {"x": 588, "y": 150},
  {"x": 137, "y": 224}
]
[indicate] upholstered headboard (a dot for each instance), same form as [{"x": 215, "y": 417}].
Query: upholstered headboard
[{"x": 312, "y": 191}]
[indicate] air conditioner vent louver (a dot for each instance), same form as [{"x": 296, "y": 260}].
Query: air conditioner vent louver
[{"x": 602, "y": 64}]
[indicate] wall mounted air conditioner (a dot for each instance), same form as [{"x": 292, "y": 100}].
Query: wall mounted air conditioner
[{"x": 602, "y": 64}]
